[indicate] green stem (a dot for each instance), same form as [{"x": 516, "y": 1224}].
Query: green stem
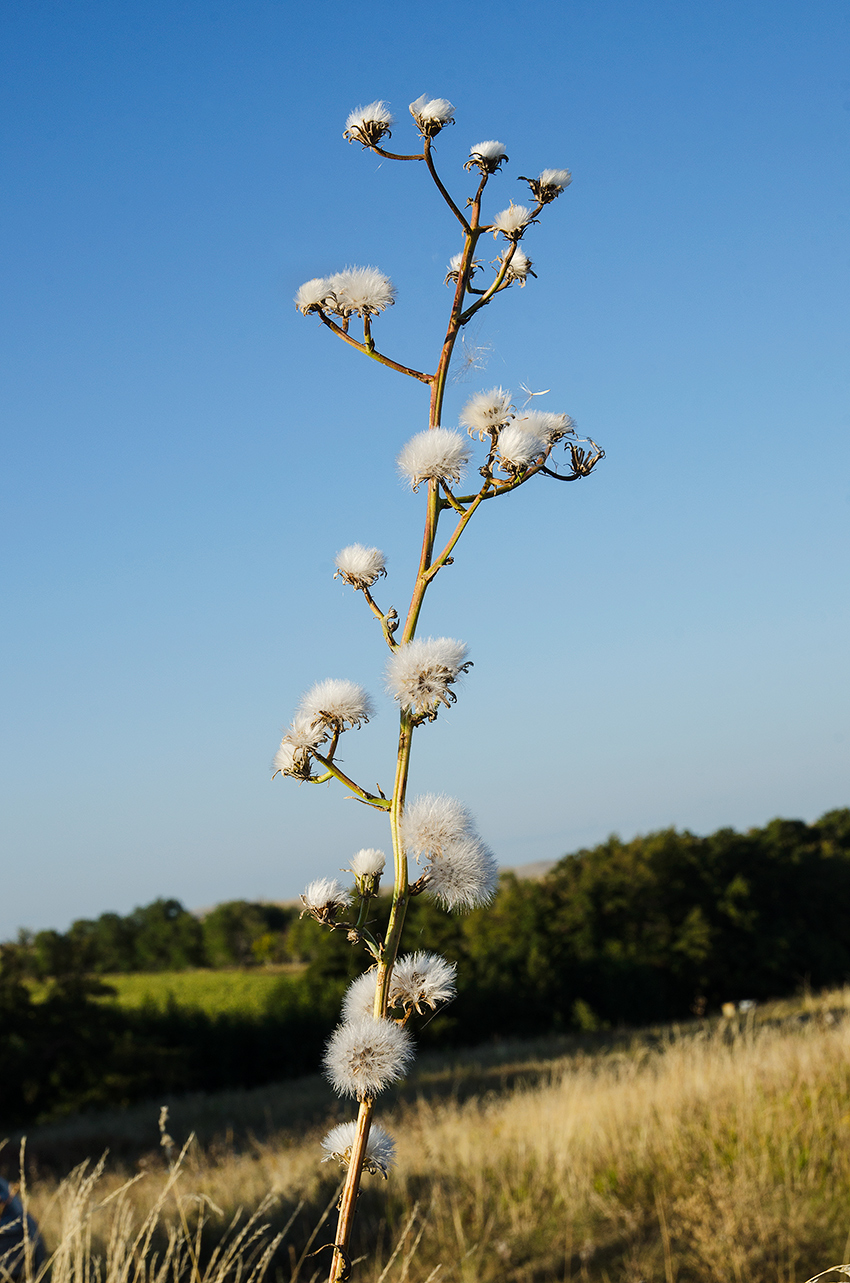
[{"x": 382, "y": 803}]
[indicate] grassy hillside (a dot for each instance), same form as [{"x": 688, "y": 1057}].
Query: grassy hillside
[
  {"x": 215, "y": 992},
  {"x": 712, "y": 1153}
]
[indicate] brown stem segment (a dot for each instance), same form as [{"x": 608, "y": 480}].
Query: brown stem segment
[{"x": 351, "y": 1189}]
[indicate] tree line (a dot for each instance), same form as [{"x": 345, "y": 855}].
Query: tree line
[{"x": 667, "y": 925}]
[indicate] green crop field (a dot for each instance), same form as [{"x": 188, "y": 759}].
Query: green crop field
[{"x": 215, "y": 992}]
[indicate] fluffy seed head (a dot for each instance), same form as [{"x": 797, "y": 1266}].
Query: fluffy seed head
[
  {"x": 336, "y": 703},
  {"x": 431, "y": 114},
  {"x": 512, "y": 222},
  {"x": 518, "y": 448},
  {"x": 549, "y": 184},
  {"x": 487, "y": 156},
  {"x": 431, "y": 823},
  {"x": 312, "y": 296},
  {"x": 436, "y": 453},
  {"x": 487, "y": 412},
  {"x": 454, "y": 268},
  {"x": 519, "y": 268},
  {"x": 360, "y": 566},
  {"x": 364, "y": 1056},
  {"x": 293, "y": 756},
  {"x": 420, "y": 673},
  {"x": 545, "y": 425},
  {"x": 363, "y": 291},
  {"x": 422, "y": 980},
  {"x": 359, "y": 1000},
  {"x": 465, "y": 876},
  {"x": 368, "y": 125},
  {"x": 380, "y": 1148},
  {"x": 323, "y": 898},
  {"x": 368, "y": 862}
]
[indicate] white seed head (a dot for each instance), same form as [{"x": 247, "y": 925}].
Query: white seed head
[
  {"x": 512, "y": 222},
  {"x": 422, "y": 980},
  {"x": 364, "y": 1056},
  {"x": 323, "y": 898},
  {"x": 363, "y": 291},
  {"x": 519, "y": 268},
  {"x": 549, "y": 184},
  {"x": 518, "y": 448},
  {"x": 380, "y": 1148},
  {"x": 313, "y": 295},
  {"x": 337, "y": 703},
  {"x": 368, "y": 862},
  {"x": 293, "y": 756},
  {"x": 431, "y": 823},
  {"x": 360, "y": 566},
  {"x": 368, "y": 125},
  {"x": 359, "y": 1000},
  {"x": 545, "y": 425},
  {"x": 487, "y": 412},
  {"x": 455, "y": 263},
  {"x": 431, "y": 114},
  {"x": 420, "y": 673},
  {"x": 437, "y": 453},
  {"x": 487, "y": 156},
  {"x": 465, "y": 876}
]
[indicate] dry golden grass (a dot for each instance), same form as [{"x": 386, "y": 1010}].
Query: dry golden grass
[{"x": 719, "y": 1155}]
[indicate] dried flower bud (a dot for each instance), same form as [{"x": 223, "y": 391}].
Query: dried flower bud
[
  {"x": 360, "y": 566},
  {"x": 368, "y": 125},
  {"x": 487, "y": 156},
  {"x": 549, "y": 184},
  {"x": 431, "y": 114},
  {"x": 323, "y": 899},
  {"x": 455, "y": 262},
  {"x": 512, "y": 222},
  {"x": 380, "y": 1148}
]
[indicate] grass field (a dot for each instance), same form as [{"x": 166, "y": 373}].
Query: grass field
[
  {"x": 214, "y": 992},
  {"x": 715, "y": 1153}
]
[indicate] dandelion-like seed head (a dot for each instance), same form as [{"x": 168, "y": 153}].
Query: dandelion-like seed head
[
  {"x": 380, "y": 1148},
  {"x": 293, "y": 756},
  {"x": 336, "y": 703},
  {"x": 360, "y": 566},
  {"x": 465, "y": 876},
  {"x": 545, "y": 425},
  {"x": 364, "y": 1056},
  {"x": 431, "y": 114},
  {"x": 314, "y": 296},
  {"x": 486, "y": 412},
  {"x": 358, "y": 1002},
  {"x": 487, "y": 156},
  {"x": 512, "y": 222},
  {"x": 455, "y": 263},
  {"x": 549, "y": 184},
  {"x": 368, "y": 125},
  {"x": 324, "y": 898},
  {"x": 367, "y": 866},
  {"x": 359, "y": 291},
  {"x": 421, "y": 673},
  {"x": 433, "y": 822},
  {"x": 438, "y": 454},
  {"x": 422, "y": 980},
  {"x": 519, "y": 267},
  {"x": 518, "y": 448}
]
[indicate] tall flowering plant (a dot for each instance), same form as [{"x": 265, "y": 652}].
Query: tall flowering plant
[{"x": 372, "y": 1045}]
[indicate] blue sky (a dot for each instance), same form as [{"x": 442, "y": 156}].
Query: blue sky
[{"x": 665, "y": 643}]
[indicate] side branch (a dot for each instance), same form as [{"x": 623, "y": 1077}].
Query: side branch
[
  {"x": 445, "y": 195},
  {"x": 381, "y": 803},
  {"x": 372, "y": 350}
]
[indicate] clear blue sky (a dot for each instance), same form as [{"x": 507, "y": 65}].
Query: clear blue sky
[{"x": 665, "y": 643}]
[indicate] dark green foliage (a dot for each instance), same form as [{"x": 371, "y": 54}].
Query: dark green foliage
[{"x": 628, "y": 933}]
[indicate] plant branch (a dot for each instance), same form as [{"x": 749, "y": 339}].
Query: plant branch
[
  {"x": 429, "y": 161},
  {"x": 381, "y": 803},
  {"x": 372, "y": 351}
]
